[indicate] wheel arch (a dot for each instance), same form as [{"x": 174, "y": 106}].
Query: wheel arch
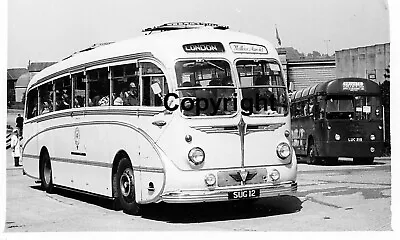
[{"x": 117, "y": 158}]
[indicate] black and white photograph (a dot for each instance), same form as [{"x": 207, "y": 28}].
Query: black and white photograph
[{"x": 206, "y": 116}]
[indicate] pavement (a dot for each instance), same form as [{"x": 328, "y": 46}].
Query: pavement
[{"x": 345, "y": 197}]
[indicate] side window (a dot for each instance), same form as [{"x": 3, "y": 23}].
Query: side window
[
  {"x": 63, "y": 93},
  {"x": 46, "y": 98},
  {"x": 99, "y": 87},
  {"x": 320, "y": 107},
  {"x": 292, "y": 109},
  {"x": 303, "y": 108},
  {"x": 311, "y": 107},
  {"x": 298, "y": 109},
  {"x": 125, "y": 85},
  {"x": 32, "y": 104},
  {"x": 79, "y": 90},
  {"x": 154, "y": 85}
]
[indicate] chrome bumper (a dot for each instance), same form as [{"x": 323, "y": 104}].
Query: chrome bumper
[{"x": 221, "y": 194}]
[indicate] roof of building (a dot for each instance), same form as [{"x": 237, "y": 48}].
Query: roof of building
[
  {"x": 39, "y": 66},
  {"x": 24, "y": 79},
  {"x": 15, "y": 73}
]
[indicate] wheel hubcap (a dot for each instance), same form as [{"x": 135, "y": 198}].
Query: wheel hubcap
[{"x": 126, "y": 183}]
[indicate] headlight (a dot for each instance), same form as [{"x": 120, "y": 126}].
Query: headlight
[
  {"x": 283, "y": 150},
  {"x": 372, "y": 149},
  {"x": 196, "y": 156},
  {"x": 372, "y": 137},
  {"x": 337, "y": 137},
  {"x": 329, "y": 127},
  {"x": 210, "y": 180}
]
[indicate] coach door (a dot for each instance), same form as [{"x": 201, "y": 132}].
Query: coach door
[{"x": 153, "y": 119}]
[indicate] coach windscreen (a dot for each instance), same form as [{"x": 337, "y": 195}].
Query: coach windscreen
[
  {"x": 263, "y": 88},
  {"x": 205, "y": 87}
]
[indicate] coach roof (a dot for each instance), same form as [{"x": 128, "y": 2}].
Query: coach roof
[
  {"x": 335, "y": 86},
  {"x": 162, "y": 45}
]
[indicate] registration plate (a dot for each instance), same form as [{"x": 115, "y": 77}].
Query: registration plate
[
  {"x": 242, "y": 194},
  {"x": 354, "y": 139}
]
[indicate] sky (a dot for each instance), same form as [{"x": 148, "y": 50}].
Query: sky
[{"x": 48, "y": 30}]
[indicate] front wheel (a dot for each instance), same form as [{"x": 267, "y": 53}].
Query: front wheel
[
  {"x": 46, "y": 175},
  {"x": 124, "y": 187}
]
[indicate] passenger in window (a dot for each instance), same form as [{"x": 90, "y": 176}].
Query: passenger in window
[
  {"x": 311, "y": 108},
  {"x": 305, "y": 110},
  {"x": 34, "y": 111},
  {"x": 96, "y": 98},
  {"x": 78, "y": 101},
  {"x": 104, "y": 101},
  {"x": 132, "y": 96},
  {"x": 227, "y": 81},
  {"x": 63, "y": 102},
  {"x": 119, "y": 100},
  {"x": 45, "y": 108},
  {"x": 189, "y": 92}
]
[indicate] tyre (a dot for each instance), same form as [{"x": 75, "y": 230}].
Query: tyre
[
  {"x": 311, "y": 158},
  {"x": 367, "y": 161},
  {"x": 46, "y": 175},
  {"x": 124, "y": 188}
]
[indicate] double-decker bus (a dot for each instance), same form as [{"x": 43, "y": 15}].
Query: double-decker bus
[
  {"x": 338, "y": 118},
  {"x": 168, "y": 116}
]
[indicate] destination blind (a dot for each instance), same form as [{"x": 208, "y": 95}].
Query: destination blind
[{"x": 204, "y": 47}]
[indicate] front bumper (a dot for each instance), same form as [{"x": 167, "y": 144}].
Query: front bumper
[
  {"x": 221, "y": 194},
  {"x": 350, "y": 149}
]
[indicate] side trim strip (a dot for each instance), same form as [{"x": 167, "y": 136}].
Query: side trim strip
[
  {"x": 126, "y": 110},
  {"x": 83, "y": 162},
  {"x": 30, "y": 156},
  {"x": 148, "y": 169}
]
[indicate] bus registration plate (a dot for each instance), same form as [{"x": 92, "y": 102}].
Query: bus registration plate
[
  {"x": 244, "y": 194},
  {"x": 354, "y": 139}
]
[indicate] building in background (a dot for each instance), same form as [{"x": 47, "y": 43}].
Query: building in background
[
  {"x": 23, "y": 80},
  {"x": 302, "y": 70},
  {"x": 306, "y": 72},
  {"x": 371, "y": 62},
  {"x": 12, "y": 76}
]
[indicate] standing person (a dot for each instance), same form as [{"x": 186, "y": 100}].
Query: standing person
[
  {"x": 19, "y": 124},
  {"x": 16, "y": 147}
]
